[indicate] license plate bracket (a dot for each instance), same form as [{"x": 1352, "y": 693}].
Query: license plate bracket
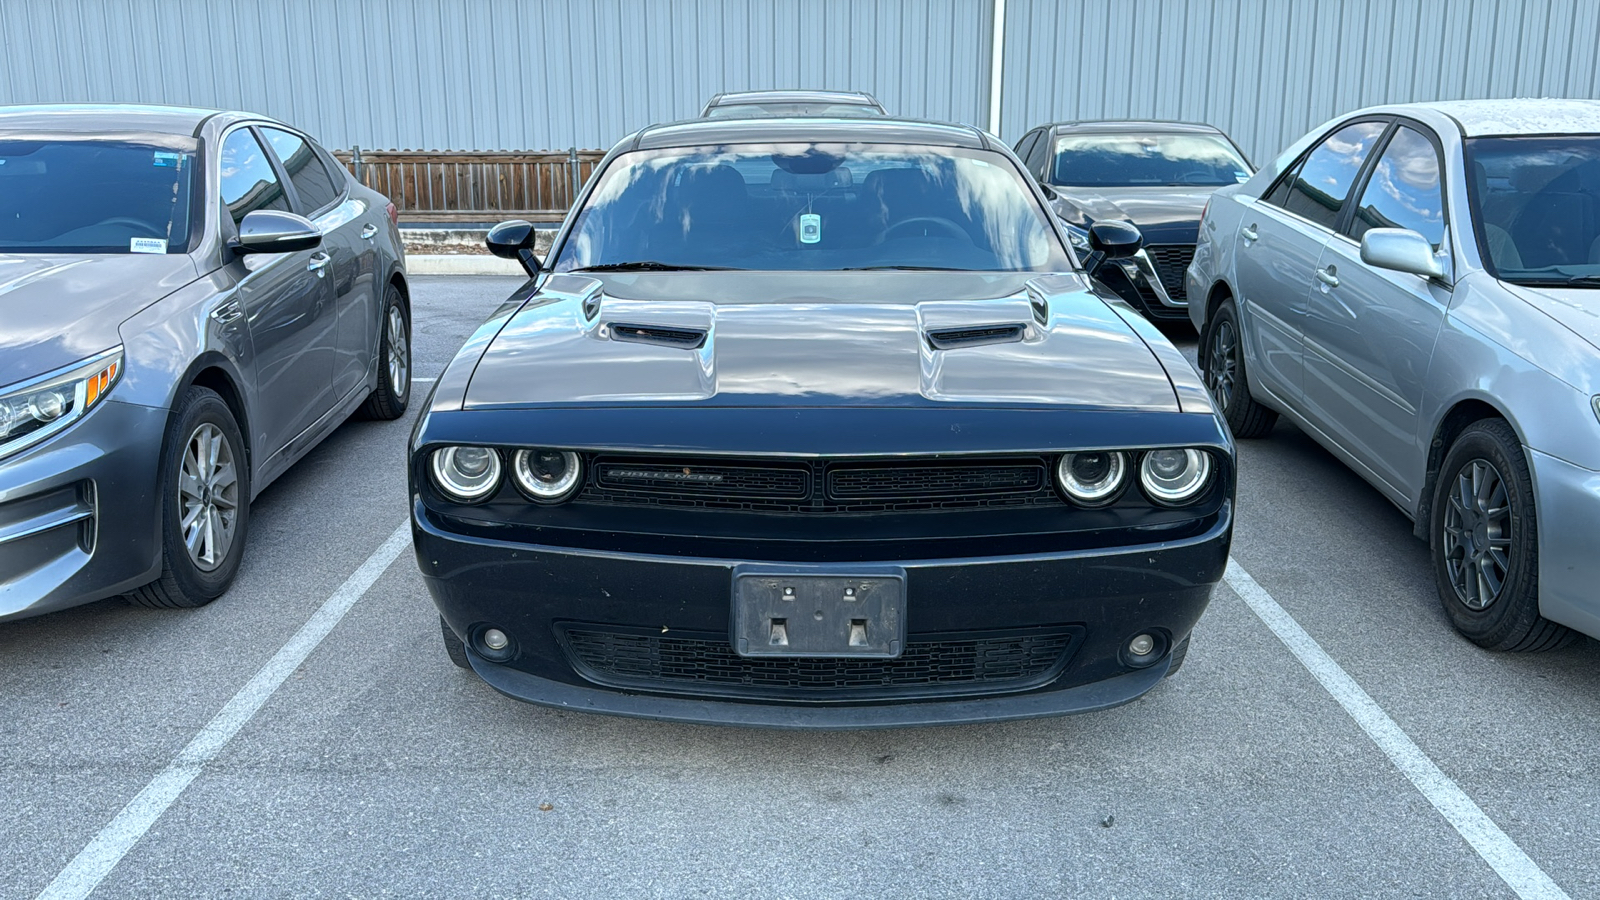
[{"x": 819, "y": 612}]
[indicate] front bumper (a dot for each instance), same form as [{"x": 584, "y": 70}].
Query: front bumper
[
  {"x": 79, "y": 513},
  {"x": 1568, "y": 506},
  {"x": 1092, "y": 601}
]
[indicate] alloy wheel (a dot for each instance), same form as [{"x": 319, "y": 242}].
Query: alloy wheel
[
  {"x": 208, "y": 489},
  {"x": 399, "y": 353},
  {"x": 1222, "y": 365},
  {"x": 1477, "y": 535}
]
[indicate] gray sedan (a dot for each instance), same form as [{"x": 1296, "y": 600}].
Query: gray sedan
[
  {"x": 1418, "y": 288},
  {"x": 190, "y": 300}
]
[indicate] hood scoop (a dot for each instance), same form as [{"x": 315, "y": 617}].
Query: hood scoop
[
  {"x": 975, "y": 335},
  {"x": 664, "y": 335}
]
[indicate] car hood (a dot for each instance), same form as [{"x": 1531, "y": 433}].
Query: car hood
[
  {"x": 817, "y": 339},
  {"x": 1165, "y": 215},
  {"x": 1576, "y": 308},
  {"x": 56, "y": 309}
]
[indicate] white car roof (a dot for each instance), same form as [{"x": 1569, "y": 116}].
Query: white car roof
[{"x": 1519, "y": 116}]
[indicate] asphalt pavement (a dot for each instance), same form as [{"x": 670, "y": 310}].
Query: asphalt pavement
[{"x": 212, "y": 753}]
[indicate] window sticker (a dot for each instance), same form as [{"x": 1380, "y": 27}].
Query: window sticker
[
  {"x": 810, "y": 228},
  {"x": 147, "y": 245},
  {"x": 163, "y": 158}
]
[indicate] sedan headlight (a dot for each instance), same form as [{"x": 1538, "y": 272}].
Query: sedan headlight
[
  {"x": 466, "y": 474},
  {"x": 1092, "y": 479},
  {"x": 34, "y": 410},
  {"x": 1175, "y": 477},
  {"x": 547, "y": 476}
]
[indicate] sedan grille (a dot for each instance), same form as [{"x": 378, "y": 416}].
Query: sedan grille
[
  {"x": 818, "y": 486},
  {"x": 707, "y": 665},
  {"x": 1172, "y": 262}
]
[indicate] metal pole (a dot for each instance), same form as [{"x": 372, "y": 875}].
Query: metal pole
[
  {"x": 355, "y": 161},
  {"x": 572, "y": 176}
]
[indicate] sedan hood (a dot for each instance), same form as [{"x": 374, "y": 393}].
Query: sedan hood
[
  {"x": 819, "y": 339},
  {"x": 1576, "y": 308},
  {"x": 1165, "y": 215},
  {"x": 56, "y": 309}
]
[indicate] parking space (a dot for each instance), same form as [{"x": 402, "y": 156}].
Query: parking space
[{"x": 378, "y": 769}]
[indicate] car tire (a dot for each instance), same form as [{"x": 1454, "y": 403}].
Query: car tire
[
  {"x": 205, "y": 482},
  {"x": 1485, "y": 543},
  {"x": 453, "y": 646},
  {"x": 389, "y": 399},
  {"x": 1224, "y": 376},
  {"x": 1179, "y": 654}
]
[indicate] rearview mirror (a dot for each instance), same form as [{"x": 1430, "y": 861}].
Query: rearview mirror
[
  {"x": 1402, "y": 250},
  {"x": 514, "y": 240},
  {"x": 271, "y": 231},
  {"x": 1117, "y": 240}
]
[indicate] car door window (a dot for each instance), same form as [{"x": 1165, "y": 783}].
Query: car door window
[
  {"x": 1025, "y": 146},
  {"x": 1319, "y": 190},
  {"x": 1403, "y": 190},
  {"x": 248, "y": 182},
  {"x": 1039, "y": 156},
  {"x": 316, "y": 188}
]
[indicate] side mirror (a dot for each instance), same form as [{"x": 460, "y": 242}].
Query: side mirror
[
  {"x": 1402, "y": 250},
  {"x": 1117, "y": 240},
  {"x": 1049, "y": 192},
  {"x": 271, "y": 231},
  {"x": 514, "y": 240}
]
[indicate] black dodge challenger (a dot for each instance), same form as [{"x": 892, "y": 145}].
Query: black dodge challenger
[{"x": 818, "y": 423}]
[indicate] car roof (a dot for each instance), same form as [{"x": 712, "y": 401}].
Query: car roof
[
  {"x": 699, "y": 132},
  {"x": 92, "y": 118},
  {"x": 1134, "y": 126},
  {"x": 1478, "y": 118},
  {"x": 859, "y": 98}
]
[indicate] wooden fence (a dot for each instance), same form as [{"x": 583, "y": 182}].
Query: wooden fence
[{"x": 436, "y": 186}]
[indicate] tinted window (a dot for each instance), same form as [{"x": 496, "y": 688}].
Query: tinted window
[
  {"x": 248, "y": 182},
  {"x": 1404, "y": 190},
  {"x": 70, "y": 195},
  {"x": 316, "y": 187},
  {"x": 813, "y": 207},
  {"x": 1320, "y": 189},
  {"x": 1131, "y": 160},
  {"x": 1279, "y": 195},
  {"x": 1025, "y": 147},
  {"x": 1536, "y": 204}
]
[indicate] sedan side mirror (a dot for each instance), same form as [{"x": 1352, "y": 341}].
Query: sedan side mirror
[
  {"x": 271, "y": 231},
  {"x": 1402, "y": 250},
  {"x": 1117, "y": 240},
  {"x": 514, "y": 240}
]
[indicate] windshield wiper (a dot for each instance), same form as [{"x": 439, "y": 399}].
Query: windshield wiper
[
  {"x": 651, "y": 265},
  {"x": 902, "y": 269},
  {"x": 1569, "y": 281}
]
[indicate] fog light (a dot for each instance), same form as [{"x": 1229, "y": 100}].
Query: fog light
[
  {"x": 496, "y": 640},
  {"x": 1143, "y": 645}
]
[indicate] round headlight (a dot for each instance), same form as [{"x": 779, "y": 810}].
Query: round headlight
[
  {"x": 1092, "y": 479},
  {"x": 467, "y": 474},
  {"x": 547, "y": 476},
  {"x": 1173, "y": 477}
]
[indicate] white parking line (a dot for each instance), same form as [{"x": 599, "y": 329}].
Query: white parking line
[
  {"x": 95, "y": 861},
  {"x": 1522, "y": 874},
  {"x": 422, "y": 380}
]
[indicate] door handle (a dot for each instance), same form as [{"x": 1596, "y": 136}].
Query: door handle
[
  {"x": 1249, "y": 233},
  {"x": 1328, "y": 277},
  {"x": 317, "y": 263},
  {"x": 368, "y": 230}
]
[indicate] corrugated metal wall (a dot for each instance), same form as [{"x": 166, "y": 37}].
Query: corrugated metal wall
[
  {"x": 490, "y": 74},
  {"x": 537, "y": 74},
  {"x": 1267, "y": 71}
]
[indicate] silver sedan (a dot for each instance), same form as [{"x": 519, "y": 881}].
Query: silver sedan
[{"x": 1418, "y": 288}]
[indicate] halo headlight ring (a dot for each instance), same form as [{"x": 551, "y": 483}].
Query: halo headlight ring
[
  {"x": 465, "y": 474},
  {"x": 1176, "y": 476},
  {"x": 1094, "y": 478},
  {"x": 547, "y": 476}
]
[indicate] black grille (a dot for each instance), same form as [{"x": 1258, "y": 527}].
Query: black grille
[
  {"x": 704, "y": 664},
  {"x": 817, "y": 486},
  {"x": 1172, "y": 262},
  {"x": 949, "y": 338}
]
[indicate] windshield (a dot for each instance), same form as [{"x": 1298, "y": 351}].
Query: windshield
[
  {"x": 72, "y": 195},
  {"x": 812, "y": 207},
  {"x": 1134, "y": 160},
  {"x": 790, "y": 108},
  {"x": 1536, "y": 207}
]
